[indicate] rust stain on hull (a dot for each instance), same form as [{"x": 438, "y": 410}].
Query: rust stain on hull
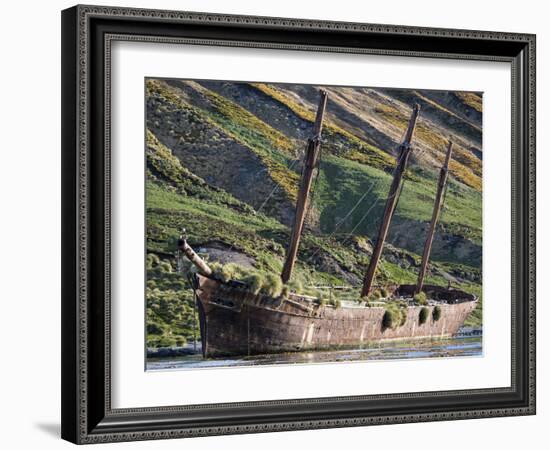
[{"x": 236, "y": 322}]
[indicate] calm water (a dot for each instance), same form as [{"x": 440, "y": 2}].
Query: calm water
[{"x": 470, "y": 346}]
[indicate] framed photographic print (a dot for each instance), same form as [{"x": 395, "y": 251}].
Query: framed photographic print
[{"x": 281, "y": 224}]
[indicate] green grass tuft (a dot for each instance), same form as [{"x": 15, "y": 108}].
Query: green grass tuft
[
  {"x": 436, "y": 313},
  {"x": 395, "y": 314},
  {"x": 423, "y": 315},
  {"x": 420, "y": 298}
]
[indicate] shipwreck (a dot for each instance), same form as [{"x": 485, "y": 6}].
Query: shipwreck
[{"x": 235, "y": 320}]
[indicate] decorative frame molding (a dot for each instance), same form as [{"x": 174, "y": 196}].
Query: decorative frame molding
[{"x": 87, "y": 34}]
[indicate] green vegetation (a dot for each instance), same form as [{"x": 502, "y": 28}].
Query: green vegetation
[
  {"x": 472, "y": 99},
  {"x": 395, "y": 314},
  {"x": 255, "y": 281},
  {"x": 420, "y": 298},
  {"x": 247, "y": 126},
  {"x": 259, "y": 137},
  {"x": 244, "y": 128},
  {"x": 464, "y": 166},
  {"x": 258, "y": 282},
  {"x": 338, "y": 140},
  {"x": 296, "y": 286},
  {"x": 335, "y": 248},
  {"x": 436, "y": 313},
  {"x": 342, "y": 183},
  {"x": 171, "y": 316},
  {"x": 423, "y": 315}
]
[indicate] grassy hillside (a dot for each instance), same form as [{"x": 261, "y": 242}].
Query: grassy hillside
[{"x": 224, "y": 161}]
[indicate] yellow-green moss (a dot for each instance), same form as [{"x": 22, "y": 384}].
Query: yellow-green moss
[
  {"x": 285, "y": 178},
  {"x": 369, "y": 153},
  {"x": 471, "y": 99},
  {"x": 246, "y": 119},
  {"x": 445, "y": 110},
  {"x": 464, "y": 166}
]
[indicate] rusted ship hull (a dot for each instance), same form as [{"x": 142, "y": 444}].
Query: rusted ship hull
[{"x": 234, "y": 321}]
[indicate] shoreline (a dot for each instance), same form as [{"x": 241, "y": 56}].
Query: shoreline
[{"x": 189, "y": 350}]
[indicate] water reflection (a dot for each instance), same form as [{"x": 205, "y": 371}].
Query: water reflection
[{"x": 457, "y": 347}]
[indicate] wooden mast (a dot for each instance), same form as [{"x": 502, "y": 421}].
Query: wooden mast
[
  {"x": 311, "y": 160},
  {"x": 391, "y": 202},
  {"x": 443, "y": 174},
  {"x": 197, "y": 261}
]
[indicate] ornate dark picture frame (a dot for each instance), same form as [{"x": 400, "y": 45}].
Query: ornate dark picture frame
[{"x": 87, "y": 34}]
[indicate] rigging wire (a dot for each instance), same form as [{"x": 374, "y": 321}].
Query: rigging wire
[
  {"x": 275, "y": 189},
  {"x": 342, "y": 221},
  {"x": 350, "y": 234},
  {"x": 357, "y": 204},
  {"x": 443, "y": 203},
  {"x": 418, "y": 155},
  {"x": 370, "y": 209}
]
